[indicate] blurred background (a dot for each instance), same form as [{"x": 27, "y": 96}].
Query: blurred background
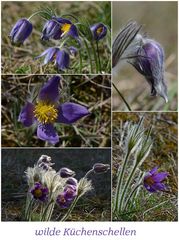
[
  {"x": 160, "y": 206},
  {"x": 92, "y": 91},
  {"x": 159, "y": 21},
  {"x": 20, "y": 60},
  {"x": 94, "y": 206}
]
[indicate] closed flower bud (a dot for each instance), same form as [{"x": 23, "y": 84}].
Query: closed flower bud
[
  {"x": 72, "y": 181},
  {"x": 21, "y": 31},
  {"x": 101, "y": 168},
  {"x": 66, "y": 172},
  {"x": 51, "y": 30}
]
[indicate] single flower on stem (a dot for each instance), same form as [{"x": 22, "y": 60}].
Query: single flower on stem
[
  {"x": 153, "y": 181},
  {"x": 99, "y": 31},
  {"x": 21, "y": 31},
  {"x": 60, "y": 57},
  {"x": 47, "y": 111},
  {"x": 39, "y": 192}
]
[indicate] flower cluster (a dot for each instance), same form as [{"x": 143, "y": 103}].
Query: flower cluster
[
  {"x": 48, "y": 188},
  {"x": 61, "y": 30},
  {"x": 46, "y": 111},
  {"x": 145, "y": 54}
]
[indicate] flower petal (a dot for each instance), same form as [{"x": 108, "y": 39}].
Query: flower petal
[
  {"x": 154, "y": 170},
  {"x": 71, "y": 112},
  {"x": 73, "y": 31},
  {"x": 160, "y": 176},
  {"x": 47, "y": 133},
  {"x": 62, "y": 60},
  {"x": 49, "y": 92},
  {"x": 26, "y": 116},
  {"x": 159, "y": 186}
]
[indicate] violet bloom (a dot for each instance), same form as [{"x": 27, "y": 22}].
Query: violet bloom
[
  {"x": 101, "y": 168},
  {"x": 72, "y": 181},
  {"x": 56, "y": 28},
  {"x": 21, "y": 31},
  {"x": 150, "y": 63},
  {"x": 47, "y": 111},
  {"x": 51, "y": 29},
  {"x": 39, "y": 192},
  {"x": 60, "y": 57},
  {"x": 73, "y": 51},
  {"x": 99, "y": 31},
  {"x": 153, "y": 180},
  {"x": 65, "y": 198}
]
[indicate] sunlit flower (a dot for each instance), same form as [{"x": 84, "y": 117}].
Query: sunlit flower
[
  {"x": 59, "y": 56},
  {"x": 39, "y": 192},
  {"x": 153, "y": 181},
  {"x": 66, "y": 172},
  {"x": 99, "y": 31},
  {"x": 21, "y": 31},
  {"x": 47, "y": 111}
]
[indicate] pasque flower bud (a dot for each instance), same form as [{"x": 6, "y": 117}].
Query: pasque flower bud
[
  {"x": 66, "y": 172},
  {"x": 101, "y": 168},
  {"x": 21, "y": 31}
]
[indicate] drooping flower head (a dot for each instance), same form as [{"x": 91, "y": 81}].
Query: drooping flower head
[
  {"x": 39, "y": 192},
  {"x": 153, "y": 181},
  {"x": 47, "y": 111},
  {"x": 66, "y": 172},
  {"x": 101, "y": 168},
  {"x": 57, "y": 27},
  {"x": 65, "y": 198},
  {"x": 72, "y": 181},
  {"x": 21, "y": 31},
  {"x": 99, "y": 31},
  {"x": 150, "y": 63},
  {"x": 59, "y": 56}
]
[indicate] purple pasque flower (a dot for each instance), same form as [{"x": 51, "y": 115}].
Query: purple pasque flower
[
  {"x": 51, "y": 30},
  {"x": 72, "y": 181},
  {"x": 60, "y": 57},
  {"x": 21, "y": 31},
  {"x": 73, "y": 51},
  {"x": 65, "y": 198},
  {"x": 66, "y": 172},
  {"x": 99, "y": 31},
  {"x": 153, "y": 181},
  {"x": 57, "y": 27},
  {"x": 39, "y": 192},
  {"x": 47, "y": 111},
  {"x": 101, "y": 168},
  {"x": 150, "y": 63}
]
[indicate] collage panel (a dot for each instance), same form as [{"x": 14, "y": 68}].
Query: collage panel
[
  {"x": 49, "y": 37},
  {"x": 54, "y": 110},
  {"x": 145, "y": 166},
  {"x": 145, "y": 56},
  {"x": 56, "y": 184}
]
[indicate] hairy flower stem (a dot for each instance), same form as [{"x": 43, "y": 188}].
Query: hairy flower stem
[
  {"x": 123, "y": 193},
  {"x": 70, "y": 209},
  {"x": 131, "y": 196},
  {"x": 99, "y": 62},
  {"x": 124, "y": 100},
  {"x": 120, "y": 180},
  {"x": 88, "y": 173},
  {"x": 38, "y": 12},
  {"x": 45, "y": 212},
  {"x": 95, "y": 57},
  {"x": 81, "y": 63},
  {"x": 89, "y": 55},
  {"x": 28, "y": 210}
]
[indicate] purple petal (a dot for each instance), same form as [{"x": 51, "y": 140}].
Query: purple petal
[
  {"x": 159, "y": 186},
  {"x": 73, "y": 31},
  {"x": 49, "y": 92},
  {"x": 71, "y": 112},
  {"x": 63, "y": 20},
  {"x": 26, "y": 116},
  {"x": 44, "y": 53},
  {"x": 62, "y": 60},
  {"x": 47, "y": 133},
  {"x": 149, "y": 188},
  {"x": 160, "y": 176},
  {"x": 154, "y": 170},
  {"x": 50, "y": 55}
]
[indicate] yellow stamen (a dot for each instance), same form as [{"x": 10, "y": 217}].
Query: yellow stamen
[
  {"x": 65, "y": 27},
  {"x": 45, "y": 113},
  {"x": 38, "y": 193},
  {"x": 99, "y": 30}
]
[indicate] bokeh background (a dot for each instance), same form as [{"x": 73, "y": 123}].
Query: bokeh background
[
  {"x": 159, "y": 20},
  {"x": 94, "y": 206},
  {"x": 20, "y": 60},
  {"x": 92, "y": 91},
  {"x": 157, "y": 206}
]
